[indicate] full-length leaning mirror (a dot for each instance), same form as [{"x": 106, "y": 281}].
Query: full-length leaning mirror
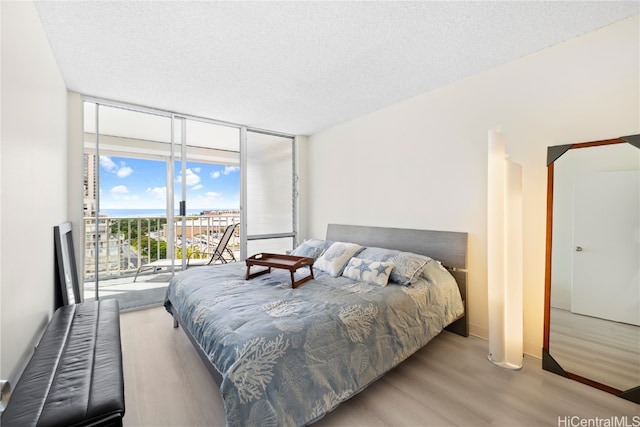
[
  {"x": 592, "y": 289},
  {"x": 66, "y": 275}
]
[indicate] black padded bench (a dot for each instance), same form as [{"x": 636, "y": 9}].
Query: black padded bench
[{"x": 74, "y": 377}]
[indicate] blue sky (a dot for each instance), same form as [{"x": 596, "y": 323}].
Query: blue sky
[{"x": 128, "y": 183}]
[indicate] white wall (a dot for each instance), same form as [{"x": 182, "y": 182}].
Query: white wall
[
  {"x": 75, "y": 174},
  {"x": 33, "y": 173},
  {"x": 421, "y": 163}
]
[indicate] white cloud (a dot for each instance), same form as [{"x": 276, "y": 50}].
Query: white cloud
[
  {"x": 124, "y": 171},
  {"x": 192, "y": 178},
  {"x": 209, "y": 200},
  {"x": 230, "y": 169},
  {"x": 108, "y": 164},
  {"x": 212, "y": 197},
  {"x": 121, "y": 192},
  {"x": 196, "y": 187},
  {"x": 226, "y": 171},
  {"x": 120, "y": 189},
  {"x": 215, "y": 200},
  {"x": 158, "y": 192}
]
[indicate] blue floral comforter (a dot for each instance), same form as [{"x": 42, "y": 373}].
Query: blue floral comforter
[{"x": 289, "y": 356}]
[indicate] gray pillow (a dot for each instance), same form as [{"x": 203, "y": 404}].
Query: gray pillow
[
  {"x": 407, "y": 266},
  {"x": 311, "y": 248}
]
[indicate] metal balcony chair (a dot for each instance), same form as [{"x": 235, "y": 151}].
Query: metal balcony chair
[{"x": 220, "y": 250}]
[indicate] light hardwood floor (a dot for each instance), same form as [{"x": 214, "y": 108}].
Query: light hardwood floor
[{"x": 449, "y": 382}]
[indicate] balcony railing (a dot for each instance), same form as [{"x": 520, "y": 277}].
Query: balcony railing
[{"x": 124, "y": 244}]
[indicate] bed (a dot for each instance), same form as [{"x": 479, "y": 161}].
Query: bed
[{"x": 286, "y": 357}]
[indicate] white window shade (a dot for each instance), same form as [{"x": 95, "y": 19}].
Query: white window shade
[
  {"x": 269, "y": 185},
  {"x": 277, "y": 246}
]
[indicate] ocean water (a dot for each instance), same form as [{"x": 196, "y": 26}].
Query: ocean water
[{"x": 144, "y": 213}]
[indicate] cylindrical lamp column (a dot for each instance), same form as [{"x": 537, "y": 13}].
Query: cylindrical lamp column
[{"x": 504, "y": 256}]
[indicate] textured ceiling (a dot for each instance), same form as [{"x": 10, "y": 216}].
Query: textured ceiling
[{"x": 298, "y": 67}]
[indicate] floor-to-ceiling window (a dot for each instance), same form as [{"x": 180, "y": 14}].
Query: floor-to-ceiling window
[
  {"x": 142, "y": 166},
  {"x": 125, "y": 213},
  {"x": 209, "y": 185}
]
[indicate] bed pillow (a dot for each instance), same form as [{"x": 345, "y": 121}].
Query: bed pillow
[
  {"x": 435, "y": 272},
  {"x": 336, "y": 257},
  {"x": 407, "y": 266},
  {"x": 311, "y": 248},
  {"x": 366, "y": 270},
  {"x": 377, "y": 254}
]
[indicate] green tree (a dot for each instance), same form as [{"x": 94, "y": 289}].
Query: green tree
[
  {"x": 134, "y": 229},
  {"x": 152, "y": 249}
]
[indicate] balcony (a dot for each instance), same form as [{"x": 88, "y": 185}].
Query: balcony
[{"x": 122, "y": 245}]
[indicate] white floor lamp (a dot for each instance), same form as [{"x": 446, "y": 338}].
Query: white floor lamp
[{"x": 504, "y": 256}]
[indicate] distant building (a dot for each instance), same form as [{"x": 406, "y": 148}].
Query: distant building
[{"x": 108, "y": 246}]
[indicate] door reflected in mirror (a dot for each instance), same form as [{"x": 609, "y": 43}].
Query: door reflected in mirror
[{"x": 592, "y": 316}]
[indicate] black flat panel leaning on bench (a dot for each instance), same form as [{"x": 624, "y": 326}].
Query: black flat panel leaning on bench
[{"x": 74, "y": 377}]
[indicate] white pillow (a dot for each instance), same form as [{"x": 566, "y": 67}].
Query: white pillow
[
  {"x": 336, "y": 257},
  {"x": 366, "y": 270}
]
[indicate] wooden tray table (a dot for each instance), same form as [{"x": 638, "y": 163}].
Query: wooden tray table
[{"x": 286, "y": 262}]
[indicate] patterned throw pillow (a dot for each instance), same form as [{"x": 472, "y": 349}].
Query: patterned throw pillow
[
  {"x": 435, "y": 272},
  {"x": 407, "y": 267},
  {"x": 336, "y": 257},
  {"x": 311, "y": 248},
  {"x": 366, "y": 270}
]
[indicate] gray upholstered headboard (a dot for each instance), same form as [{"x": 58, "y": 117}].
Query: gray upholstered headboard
[{"x": 448, "y": 247}]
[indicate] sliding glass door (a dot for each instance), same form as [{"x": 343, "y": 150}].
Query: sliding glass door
[
  {"x": 126, "y": 183},
  {"x": 161, "y": 189},
  {"x": 208, "y": 187}
]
